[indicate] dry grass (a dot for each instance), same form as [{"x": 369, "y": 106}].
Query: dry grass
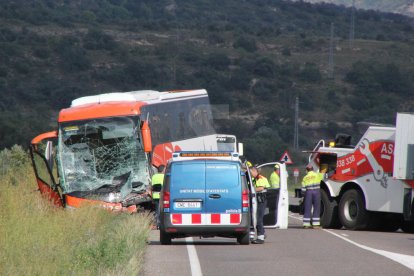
[{"x": 39, "y": 239}]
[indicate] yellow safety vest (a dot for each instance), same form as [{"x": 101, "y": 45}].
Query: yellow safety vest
[
  {"x": 275, "y": 180},
  {"x": 157, "y": 178},
  {"x": 312, "y": 180},
  {"x": 261, "y": 181}
]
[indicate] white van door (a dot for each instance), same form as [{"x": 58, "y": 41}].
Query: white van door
[{"x": 282, "y": 201}]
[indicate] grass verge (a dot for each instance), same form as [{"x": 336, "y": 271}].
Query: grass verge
[{"x": 39, "y": 239}]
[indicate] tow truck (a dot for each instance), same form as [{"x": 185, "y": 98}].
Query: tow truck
[{"x": 369, "y": 185}]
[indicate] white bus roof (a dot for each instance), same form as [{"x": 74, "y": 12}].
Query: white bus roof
[{"x": 148, "y": 96}]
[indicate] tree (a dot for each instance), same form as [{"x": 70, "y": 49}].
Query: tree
[
  {"x": 310, "y": 73},
  {"x": 245, "y": 43}
]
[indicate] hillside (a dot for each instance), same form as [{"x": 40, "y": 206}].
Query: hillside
[
  {"x": 405, "y": 7},
  {"x": 255, "y": 56}
]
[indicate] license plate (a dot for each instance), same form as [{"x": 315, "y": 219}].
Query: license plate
[{"x": 187, "y": 205}]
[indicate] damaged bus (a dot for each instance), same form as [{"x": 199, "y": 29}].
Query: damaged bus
[{"x": 107, "y": 146}]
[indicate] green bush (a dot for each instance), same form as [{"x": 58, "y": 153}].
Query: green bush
[
  {"x": 248, "y": 44},
  {"x": 98, "y": 40},
  {"x": 310, "y": 73}
]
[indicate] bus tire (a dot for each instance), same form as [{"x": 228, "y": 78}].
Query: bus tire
[
  {"x": 165, "y": 238},
  {"x": 244, "y": 239},
  {"x": 329, "y": 211},
  {"x": 408, "y": 226},
  {"x": 352, "y": 212}
]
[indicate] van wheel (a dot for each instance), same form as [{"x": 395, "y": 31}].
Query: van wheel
[
  {"x": 165, "y": 238},
  {"x": 352, "y": 212},
  {"x": 244, "y": 239},
  {"x": 329, "y": 212}
]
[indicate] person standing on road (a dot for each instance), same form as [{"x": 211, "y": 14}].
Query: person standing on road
[
  {"x": 311, "y": 185},
  {"x": 261, "y": 184},
  {"x": 157, "y": 181},
  {"x": 275, "y": 184}
]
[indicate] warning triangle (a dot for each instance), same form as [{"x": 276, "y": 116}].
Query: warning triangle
[{"x": 286, "y": 158}]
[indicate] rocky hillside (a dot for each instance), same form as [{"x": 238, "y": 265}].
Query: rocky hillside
[
  {"x": 256, "y": 57},
  {"x": 405, "y": 7}
]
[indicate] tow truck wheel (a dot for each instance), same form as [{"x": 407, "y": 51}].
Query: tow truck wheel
[
  {"x": 165, "y": 238},
  {"x": 352, "y": 212},
  {"x": 329, "y": 212},
  {"x": 408, "y": 226},
  {"x": 244, "y": 239}
]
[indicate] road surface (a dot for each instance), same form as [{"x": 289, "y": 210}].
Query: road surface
[{"x": 295, "y": 251}]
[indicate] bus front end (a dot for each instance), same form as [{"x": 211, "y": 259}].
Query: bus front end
[
  {"x": 98, "y": 156},
  {"x": 103, "y": 160}
]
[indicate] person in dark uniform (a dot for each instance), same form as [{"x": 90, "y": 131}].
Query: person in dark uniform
[
  {"x": 157, "y": 181},
  {"x": 261, "y": 184},
  {"x": 311, "y": 185}
]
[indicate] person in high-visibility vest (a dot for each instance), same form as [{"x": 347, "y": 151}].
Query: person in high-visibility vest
[
  {"x": 261, "y": 184},
  {"x": 158, "y": 180},
  {"x": 311, "y": 185},
  {"x": 275, "y": 184}
]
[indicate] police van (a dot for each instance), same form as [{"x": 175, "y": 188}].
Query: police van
[{"x": 204, "y": 194}]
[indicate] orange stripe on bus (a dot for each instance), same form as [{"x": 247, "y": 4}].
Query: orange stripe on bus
[{"x": 107, "y": 109}]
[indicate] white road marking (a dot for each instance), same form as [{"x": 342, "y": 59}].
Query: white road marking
[
  {"x": 193, "y": 258},
  {"x": 406, "y": 260},
  {"x": 345, "y": 235}
]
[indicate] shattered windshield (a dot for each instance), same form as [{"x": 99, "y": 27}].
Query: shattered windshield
[{"x": 102, "y": 156}]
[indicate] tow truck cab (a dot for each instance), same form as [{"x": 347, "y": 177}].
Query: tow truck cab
[{"x": 204, "y": 194}]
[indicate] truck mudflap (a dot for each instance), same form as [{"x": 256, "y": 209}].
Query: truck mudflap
[{"x": 408, "y": 204}]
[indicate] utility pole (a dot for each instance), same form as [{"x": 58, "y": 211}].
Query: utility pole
[
  {"x": 352, "y": 27},
  {"x": 331, "y": 54},
  {"x": 296, "y": 132}
]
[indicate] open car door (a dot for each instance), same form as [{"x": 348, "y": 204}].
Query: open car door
[
  {"x": 252, "y": 202},
  {"x": 283, "y": 203},
  {"x": 45, "y": 167}
]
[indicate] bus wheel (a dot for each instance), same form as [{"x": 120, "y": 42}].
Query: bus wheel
[
  {"x": 165, "y": 238},
  {"x": 352, "y": 212},
  {"x": 408, "y": 226},
  {"x": 329, "y": 211}
]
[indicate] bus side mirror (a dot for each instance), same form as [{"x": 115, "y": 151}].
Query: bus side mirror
[
  {"x": 49, "y": 154},
  {"x": 240, "y": 149},
  {"x": 146, "y": 137}
]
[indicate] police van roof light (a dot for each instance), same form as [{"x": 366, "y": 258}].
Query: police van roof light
[{"x": 205, "y": 154}]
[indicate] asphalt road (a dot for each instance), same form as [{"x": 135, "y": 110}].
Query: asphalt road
[{"x": 295, "y": 251}]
